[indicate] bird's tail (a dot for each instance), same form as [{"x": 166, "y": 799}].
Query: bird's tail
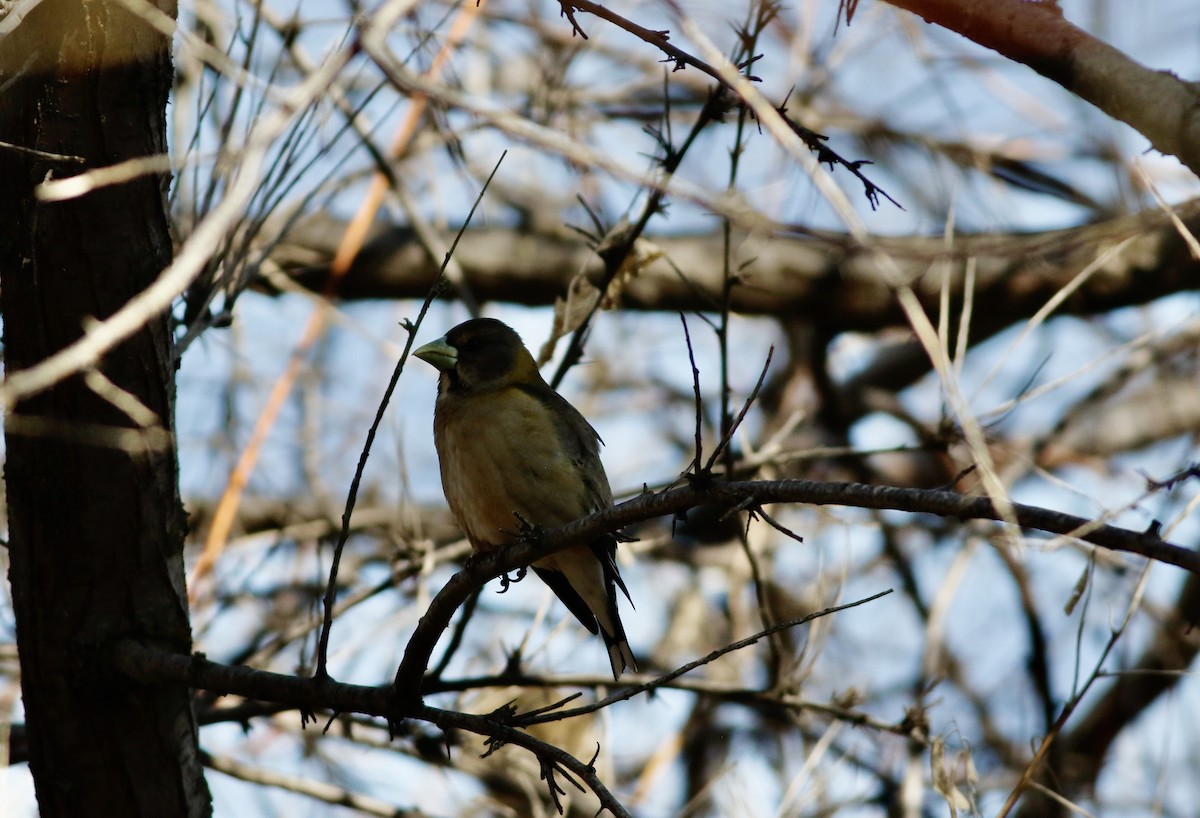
[
  {"x": 586, "y": 580},
  {"x": 611, "y": 629},
  {"x": 619, "y": 654}
]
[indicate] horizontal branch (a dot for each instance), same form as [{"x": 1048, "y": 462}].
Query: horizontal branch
[
  {"x": 747, "y": 494},
  {"x": 825, "y": 280},
  {"x": 140, "y": 662},
  {"x": 153, "y": 665},
  {"x": 150, "y": 665}
]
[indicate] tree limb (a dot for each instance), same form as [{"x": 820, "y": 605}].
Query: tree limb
[
  {"x": 824, "y": 279},
  {"x": 482, "y": 567},
  {"x": 1157, "y": 104}
]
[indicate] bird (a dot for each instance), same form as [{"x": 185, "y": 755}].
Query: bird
[{"x": 514, "y": 453}]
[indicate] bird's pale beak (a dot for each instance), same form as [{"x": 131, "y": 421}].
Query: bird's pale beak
[{"x": 438, "y": 354}]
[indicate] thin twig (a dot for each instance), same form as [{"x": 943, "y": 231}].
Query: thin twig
[
  {"x": 456, "y": 638},
  {"x": 666, "y": 678},
  {"x": 724, "y": 443},
  {"x": 551, "y": 757},
  {"x": 1068, "y": 710},
  {"x": 331, "y": 590},
  {"x": 618, "y": 251},
  {"x": 189, "y": 262},
  {"x": 687, "y": 337}
]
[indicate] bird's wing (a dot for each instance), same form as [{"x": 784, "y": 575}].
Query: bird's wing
[{"x": 579, "y": 441}]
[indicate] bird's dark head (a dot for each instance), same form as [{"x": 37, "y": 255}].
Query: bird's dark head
[{"x": 478, "y": 355}]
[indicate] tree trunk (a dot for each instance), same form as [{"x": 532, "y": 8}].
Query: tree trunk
[{"x": 96, "y": 525}]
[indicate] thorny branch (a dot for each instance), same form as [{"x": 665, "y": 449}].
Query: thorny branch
[{"x": 661, "y": 40}]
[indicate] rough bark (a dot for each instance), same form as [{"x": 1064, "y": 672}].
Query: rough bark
[{"x": 96, "y": 525}]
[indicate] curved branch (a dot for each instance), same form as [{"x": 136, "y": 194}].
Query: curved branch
[{"x": 1159, "y": 105}]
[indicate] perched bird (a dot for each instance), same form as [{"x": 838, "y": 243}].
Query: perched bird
[{"x": 512, "y": 449}]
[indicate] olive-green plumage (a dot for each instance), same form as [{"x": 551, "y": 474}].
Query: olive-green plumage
[{"x": 508, "y": 444}]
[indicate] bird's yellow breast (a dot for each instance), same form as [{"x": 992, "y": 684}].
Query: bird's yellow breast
[{"x": 501, "y": 455}]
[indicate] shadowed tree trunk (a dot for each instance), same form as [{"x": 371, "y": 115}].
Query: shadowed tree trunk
[{"x": 95, "y": 519}]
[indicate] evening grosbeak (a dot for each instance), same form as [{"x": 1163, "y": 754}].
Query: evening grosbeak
[{"x": 511, "y": 449}]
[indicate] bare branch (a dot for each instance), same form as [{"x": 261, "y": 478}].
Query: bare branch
[
  {"x": 1158, "y": 104},
  {"x": 822, "y": 278}
]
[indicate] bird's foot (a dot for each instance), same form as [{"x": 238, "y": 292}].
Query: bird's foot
[
  {"x": 506, "y": 580},
  {"x": 527, "y": 531}
]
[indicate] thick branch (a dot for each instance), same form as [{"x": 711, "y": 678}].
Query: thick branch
[
  {"x": 1157, "y": 104},
  {"x": 824, "y": 280}
]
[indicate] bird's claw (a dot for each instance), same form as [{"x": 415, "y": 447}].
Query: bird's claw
[
  {"x": 527, "y": 531},
  {"x": 506, "y": 580}
]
